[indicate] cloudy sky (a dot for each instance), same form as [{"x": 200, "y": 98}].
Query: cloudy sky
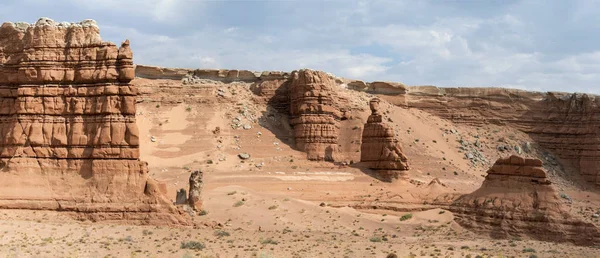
[{"x": 536, "y": 45}]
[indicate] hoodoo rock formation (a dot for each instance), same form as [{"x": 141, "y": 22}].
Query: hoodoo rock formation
[
  {"x": 67, "y": 119},
  {"x": 196, "y": 185},
  {"x": 380, "y": 150},
  {"x": 517, "y": 199},
  {"x": 314, "y": 117}
]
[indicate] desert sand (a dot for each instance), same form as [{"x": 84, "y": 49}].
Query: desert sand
[{"x": 264, "y": 196}]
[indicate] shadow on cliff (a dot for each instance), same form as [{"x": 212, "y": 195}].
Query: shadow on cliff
[
  {"x": 276, "y": 118},
  {"x": 563, "y": 128}
]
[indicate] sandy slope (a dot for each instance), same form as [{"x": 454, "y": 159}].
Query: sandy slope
[{"x": 311, "y": 209}]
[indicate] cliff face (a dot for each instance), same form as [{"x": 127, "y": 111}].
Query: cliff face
[
  {"x": 517, "y": 199},
  {"x": 314, "y": 117},
  {"x": 565, "y": 124},
  {"x": 67, "y": 120}
]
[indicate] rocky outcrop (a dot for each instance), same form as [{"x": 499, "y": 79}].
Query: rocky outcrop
[
  {"x": 314, "y": 117},
  {"x": 220, "y": 75},
  {"x": 517, "y": 199},
  {"x": 196, "y": 184},
  {"x": 67, "y": 119},
  {"x": 154, "y": 72},
  {"x": 377, "y": 87},
  {"x": 380, "y": 150},
  {"x": 564, "y": 124}
]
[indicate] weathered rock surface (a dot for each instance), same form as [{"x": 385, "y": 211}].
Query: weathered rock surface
[
  {"x": 563, "y": 123},
  {"x": 221, "y": 75},
  {"x": 154, "y": 72},
  {"x": 377, "y": 87},
  {"x": 314, "y": 117},
  {"x": 380, "y": 150},
  {"x": 195, "y": 195},
  {"x": 67, "y": 119},
  {"x": 517, "y": 199}
]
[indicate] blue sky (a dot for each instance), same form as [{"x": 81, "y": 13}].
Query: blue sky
[{"x": 534, "y": 45}]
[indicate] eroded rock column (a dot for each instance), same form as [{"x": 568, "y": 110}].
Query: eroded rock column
[
  {"x": 314, "y": 117},
  {"x": 195, "y": 195},
  {"x": 380, "y": 150},
  {"x": 67, "y": 120}
]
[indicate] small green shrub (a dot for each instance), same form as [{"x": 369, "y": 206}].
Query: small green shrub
[
  {"x": 126, "y": 239},
  {"x": 529, "y": 250},
  {"x": 272, "y": 207},
  {"x": 221, "y": 233},
  {"x": 268, "y": 241},
  {"x": 238, "y": 204},
  {"x": 406, "y": 217},
  {"x": 203, "y": 213},
  {"x": 375, "y": 239},
  {"x": 193, "y": 245}
]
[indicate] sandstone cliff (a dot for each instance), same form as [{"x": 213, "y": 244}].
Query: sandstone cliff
[
  {"x": 563, "y": 123},
  {"x": 517, "y": 199},
  {"x": 67, "y": 119},
  {"x": 314, "y": 117}
]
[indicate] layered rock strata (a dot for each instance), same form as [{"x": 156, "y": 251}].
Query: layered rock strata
[
  {"x": 377, "y": 87},
  {"x": 314, "y": 117},
  {"x": 562, "y": 123},
  {"x": 380, "y": 150},
  {"x": 67, "y": 119},
  {"x": 517, "y": 199}
]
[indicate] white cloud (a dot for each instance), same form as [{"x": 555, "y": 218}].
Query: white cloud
[
  {"x": 455, "y": 43},
  {"x": 165, "y": 11}
]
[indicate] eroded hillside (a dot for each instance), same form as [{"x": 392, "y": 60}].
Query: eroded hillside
[{"x": 284, "y": 164}]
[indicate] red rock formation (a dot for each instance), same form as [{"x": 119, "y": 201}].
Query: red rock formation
[
  {"x": 380, "y": 150},
  {"x": 313, "y": 114},
  {"x": 272, "y": 88},
  {"x": 565, "y": 124},
  {"x": 384, "y": 88},
  {"x": 67, "y": 120},
  {"x": 517, "y": 199}
]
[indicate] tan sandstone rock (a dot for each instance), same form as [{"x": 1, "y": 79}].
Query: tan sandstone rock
[
  {"x": 67, "y": 119},
  {"x": 380, "y": 150},
  {"x": 195, "y": 193},
  {"x": 314, "y": 117},
  {"x": 517, "y": 199},
  {"x": 563, "y": 123}
]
